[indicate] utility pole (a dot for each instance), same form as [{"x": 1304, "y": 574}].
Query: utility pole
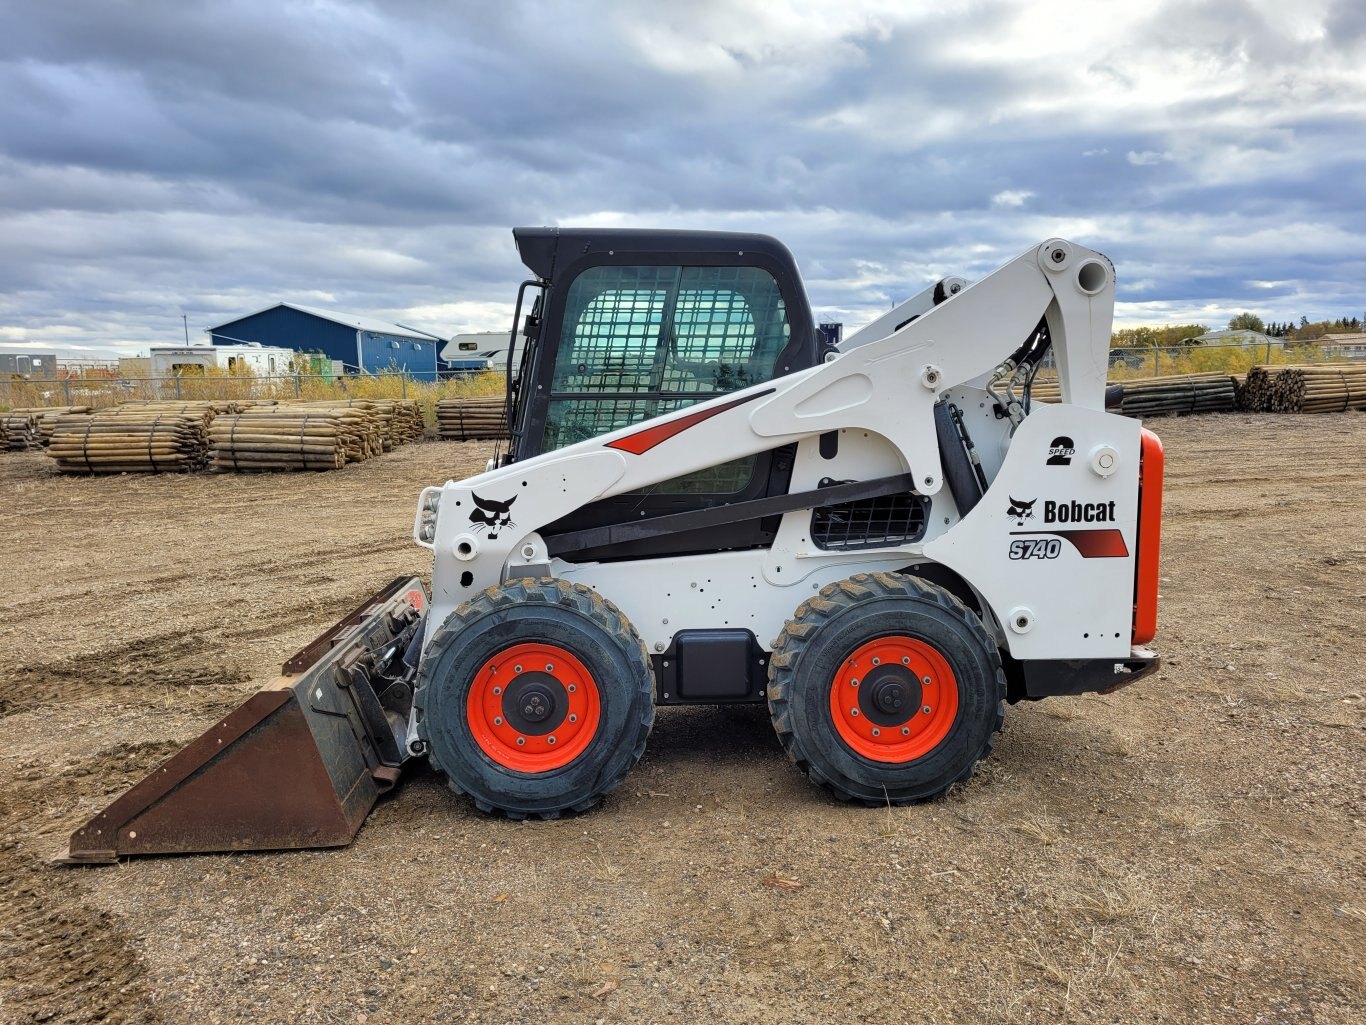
[{"x": 186, "y": 321}]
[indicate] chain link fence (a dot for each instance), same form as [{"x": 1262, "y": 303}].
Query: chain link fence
[
  {"x": 98, "y": 387},
  {"x": 1226, "y": 358}
]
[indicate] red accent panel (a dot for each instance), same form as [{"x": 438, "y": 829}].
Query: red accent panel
[
  {"x": 643, "y": 441},
  {"x": 1096, "y": 544},
  {"x": 1149, "y": 537},
  {"x": 1107, "y": 543}
]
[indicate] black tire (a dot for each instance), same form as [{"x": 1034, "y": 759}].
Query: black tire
[
  {"x": 817, "y": 644},
  {"x": 576, "y": 620}
]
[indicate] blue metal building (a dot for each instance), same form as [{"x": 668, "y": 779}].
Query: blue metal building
[{"x": 363, "y": 344}]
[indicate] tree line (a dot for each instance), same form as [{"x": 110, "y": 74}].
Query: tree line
[{"x": 1185, "y": 334}]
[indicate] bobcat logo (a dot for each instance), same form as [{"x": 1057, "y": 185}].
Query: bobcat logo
[
  {"x": 1021, "y": 511},
  {"x": 494, "y": 516}
]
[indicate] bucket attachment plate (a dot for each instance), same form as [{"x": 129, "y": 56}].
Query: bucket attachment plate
[{"x": 298, "y": 764}]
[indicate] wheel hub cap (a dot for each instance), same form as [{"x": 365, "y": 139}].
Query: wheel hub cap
[
  {"x": 533, "y": 708},
  {"x": 894, "y": 699},
  {"x": 535, "y": 703},
  {"x": 891, "y": 695}
]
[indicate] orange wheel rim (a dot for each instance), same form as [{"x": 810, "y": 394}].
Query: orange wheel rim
[
  {"x": 533, "y": 708},
  {"x": 894, "y": 699}
]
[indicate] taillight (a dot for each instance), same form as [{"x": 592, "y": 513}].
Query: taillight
[{"x": 1149, "y": 538}]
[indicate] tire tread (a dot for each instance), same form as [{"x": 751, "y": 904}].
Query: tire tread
[{"x": 829, "y": 602}]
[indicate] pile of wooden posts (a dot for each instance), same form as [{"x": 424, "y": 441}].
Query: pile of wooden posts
[
  {"x": 47, "y": 418},
  {"x": 1239, "y": 390},
  {"x": 400, "y": 420},
  {"x": 132, "y": 439},
  {"x": 1310, "y": 388},
  {"x": 295, "y": 436},
  {"x": 482, "y": 418},
  {"x": 18, "y": 431},
  {"x": 212, "y": 407},
  {"x": 1162, "y": 396},
  {"x": 1183, "y": 393},
  {"x": 158, "y": 435}
]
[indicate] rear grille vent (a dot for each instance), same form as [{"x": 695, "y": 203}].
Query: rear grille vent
[{"x": 871, "y": 523}]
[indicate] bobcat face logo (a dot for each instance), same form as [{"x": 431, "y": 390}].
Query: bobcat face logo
[
  {"x": 493, "y": 516},
  {"x": 1021, "y": 511}
]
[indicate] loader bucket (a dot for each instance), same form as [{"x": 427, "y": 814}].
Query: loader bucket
[{"x": 298, "y": 764}]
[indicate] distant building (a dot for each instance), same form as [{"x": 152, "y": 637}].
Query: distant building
[
  {"x": 1342, "y": 346},
  {"x": 480, "y": 351},
  {"x": 363, "y": 344},
  {"x": 187, "y": 360},
  {"x": 28, "y": 364},
  {"x": 1235, "y": 337}
]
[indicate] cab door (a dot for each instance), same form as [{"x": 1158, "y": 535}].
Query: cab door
[{"x": 623, "y": 342}]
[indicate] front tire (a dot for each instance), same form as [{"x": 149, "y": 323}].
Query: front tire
[
  {"x": 535, "y": 697},
  {"x": 886, "y": 689}
]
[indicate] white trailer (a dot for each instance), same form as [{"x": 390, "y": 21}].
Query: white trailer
[
  {"x": 247, "y": 357},
  {"x": 481, "y": 350}
]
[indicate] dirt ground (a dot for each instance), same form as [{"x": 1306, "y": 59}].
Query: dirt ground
[{"x": 1187, "y": 850}]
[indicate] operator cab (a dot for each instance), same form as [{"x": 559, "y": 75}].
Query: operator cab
[{"x": 633, "y": 324}]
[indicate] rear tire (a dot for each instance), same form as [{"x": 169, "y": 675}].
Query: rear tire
[
  {"x": 535, "y": 698},
  {"x": 886, "y": 689}
]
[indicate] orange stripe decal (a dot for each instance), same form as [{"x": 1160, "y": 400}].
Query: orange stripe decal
[{"x": 642, "y": 441}]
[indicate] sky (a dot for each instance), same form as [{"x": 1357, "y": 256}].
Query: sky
[{"x": 161, "y": 160}]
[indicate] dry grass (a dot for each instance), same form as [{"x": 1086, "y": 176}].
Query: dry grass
[
  {"x": 220, "y": 384},
  {"x": 1200, "y": 359},
  {"x": 1188, "y": 819},
  {"x": 1041, "y": 828}
]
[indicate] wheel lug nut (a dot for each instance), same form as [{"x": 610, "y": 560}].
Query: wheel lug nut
[
  {"x": 521, "y": 741},
  {"x": 926, "y": 709},
  {"x": 572, "y": 688},
  {"x": 877, "y": 732},
  {"x": 877, "y": 661},
  {"x": 853, "y": 711},
  {"x": 497, "y": 720},
  {"x": 497, "y": 690},
  {"x": 549, "y": 667},
  {"x": 550, "y": 739},
  {"x": 573, "y": 718},
  {"x": 905, "y": 660},
  {"x": 925, "y": 680},
  {"x": 905, "y": 731},
  {"x": 853, "y": 683},
  {"x": 517, "y": 669}
]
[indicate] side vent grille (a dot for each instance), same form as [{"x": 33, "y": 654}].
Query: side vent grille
[{"x": 871, "y": 523}]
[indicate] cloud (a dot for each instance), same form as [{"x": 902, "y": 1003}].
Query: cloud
[
  {"x": 1147, "y": 158},
  {"x": 211, "y": 158}
]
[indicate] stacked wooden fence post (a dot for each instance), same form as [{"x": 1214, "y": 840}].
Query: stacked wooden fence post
[
  {"x": 1311, "y": 388},
  {"x": 123, "y": 440},
  {"x": 18, "y": 431},
  {"x": 46, "y": 417},
  {"x": 295, "y": 437},
  {"x": 1161, "y": 396},
  {"x": 481, "y": 418}
]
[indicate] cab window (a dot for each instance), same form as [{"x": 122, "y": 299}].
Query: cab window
[{"x": 639, "y": 341}]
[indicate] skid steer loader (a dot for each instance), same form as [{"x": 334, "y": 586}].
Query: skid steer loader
[{"x": 705, "y": 502}]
